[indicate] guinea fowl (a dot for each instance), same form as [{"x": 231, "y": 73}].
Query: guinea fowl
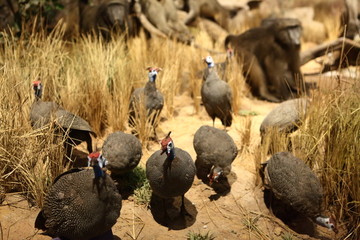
[
  {"x": 122, "y": 151},
  {"x": 286, "y": 117},
  {"x": 216, "y": 95},
  {"x": 172, "y": 174},
  {"x": 81, "y": 204},
  {"x": 295, "y": 184},
  {"x": 215, "y": 151},
  {"x": 150, "y": 96},
  {"x": 42, "y": 113}
]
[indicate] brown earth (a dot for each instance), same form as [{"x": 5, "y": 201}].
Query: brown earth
[{"x": 241, "y": 214}]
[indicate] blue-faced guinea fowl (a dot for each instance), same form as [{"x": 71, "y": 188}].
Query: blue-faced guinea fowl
[
  {"x": 216, "y": 95},
  {"x": 41, "y": 113},
  {"x": 215, "y": 152},
  {"x": 149, "y": 97},
  {"x": 171, "y": 174},
  {"x": 295, "y": 184},
  {"x": 82, "y": 204},
  {"x": 122, "y": 151}
]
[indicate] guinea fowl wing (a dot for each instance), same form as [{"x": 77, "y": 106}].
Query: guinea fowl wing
[
  {"x": 170, "y": 179},
  {"x": 122, "y": 151},
  {"x": 214, "y": 146},
  {"x": 78, "y": 207},
  {"x": 68, "y": 120},
  {"x": 286, "y": 115},
  {"x": 293, "y": 182}
]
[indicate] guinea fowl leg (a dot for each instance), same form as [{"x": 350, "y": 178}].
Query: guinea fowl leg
[{"x": 183, "y": 209}]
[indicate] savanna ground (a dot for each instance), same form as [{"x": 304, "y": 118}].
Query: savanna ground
[{"x": 95, "y": 80}]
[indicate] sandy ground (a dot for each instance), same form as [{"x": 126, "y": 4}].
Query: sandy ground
[{"x": 241, "y": 214}]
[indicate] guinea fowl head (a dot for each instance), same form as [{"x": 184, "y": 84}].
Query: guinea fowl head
[
  {"x": 328, "y": 222},
  {"x": 214, "y": 174},
  {"x": 153, "y": 71},
  {"x": 96, "y": 161},
  {"x": 209, "y": 61},
  {"x": 37, "y": 86},
  {"x": 167, "y": 146}
]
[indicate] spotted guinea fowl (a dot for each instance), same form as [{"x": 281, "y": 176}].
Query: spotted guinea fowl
[
  {"x": 41, "y": 113},
  {"x": 122, "y": 151},
  {"x": 170, "y": 174},
  {"x": 216, "y": 95},
  {"x": 295, "y": 184},
  {"x": 81, "y": 204},
  {"x": 215, "y": 151},
  {"x": 149, "y": 95},
  {"x": 286, "y": 117}
]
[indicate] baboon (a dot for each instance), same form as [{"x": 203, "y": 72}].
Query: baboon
[
  {"x": 163, "y": 15},
  {"x": 210, "y": 9},
  {"x": 270, "y": 55},
  {"x": 8, "y": 9},
  {"x": 69, "y": 15},
  {"x": 105, "y": 18}
]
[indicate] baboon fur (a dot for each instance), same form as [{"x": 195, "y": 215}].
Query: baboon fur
[{"x": 270, "y": 55}]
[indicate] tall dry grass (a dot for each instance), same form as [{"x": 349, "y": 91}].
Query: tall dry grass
[{"x": 329, "y": 142}]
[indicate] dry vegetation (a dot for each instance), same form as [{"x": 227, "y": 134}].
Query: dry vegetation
[{"x": 95, "y": 80}]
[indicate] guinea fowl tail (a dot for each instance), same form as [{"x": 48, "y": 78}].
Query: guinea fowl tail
[{"x": 227, "y": 120}]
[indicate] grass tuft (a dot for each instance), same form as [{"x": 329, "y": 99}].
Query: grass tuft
[{"x": 200, "y": 236}]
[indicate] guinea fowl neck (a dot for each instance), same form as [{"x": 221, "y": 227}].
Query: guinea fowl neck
[
  {"x": 171, "y": 154},
  {"x": 210, "y": 65},
  {"x": 38, "y": 93},
  {"x": 98, "y": 171},
  {"x": 150, "y": 87},
  {"x": 152, "y": 77}
]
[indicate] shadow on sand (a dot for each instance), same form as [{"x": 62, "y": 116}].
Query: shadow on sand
[
  {"x": 222, "y": 187},
  {"x": 167, "y": 212}
]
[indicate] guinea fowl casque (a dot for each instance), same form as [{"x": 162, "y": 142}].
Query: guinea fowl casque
[
  {"x": 150, "y": 96},
  {"x": 42, "y": 113},
  {"x": 170, "y": 174},
  {"x": 216, "y": 95},
  {"x": 295, "y": 184},
  {"x": 82, "y": 204},
  {"x": 215, "y": 151},
  {"x": 122, "y": 151}
]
